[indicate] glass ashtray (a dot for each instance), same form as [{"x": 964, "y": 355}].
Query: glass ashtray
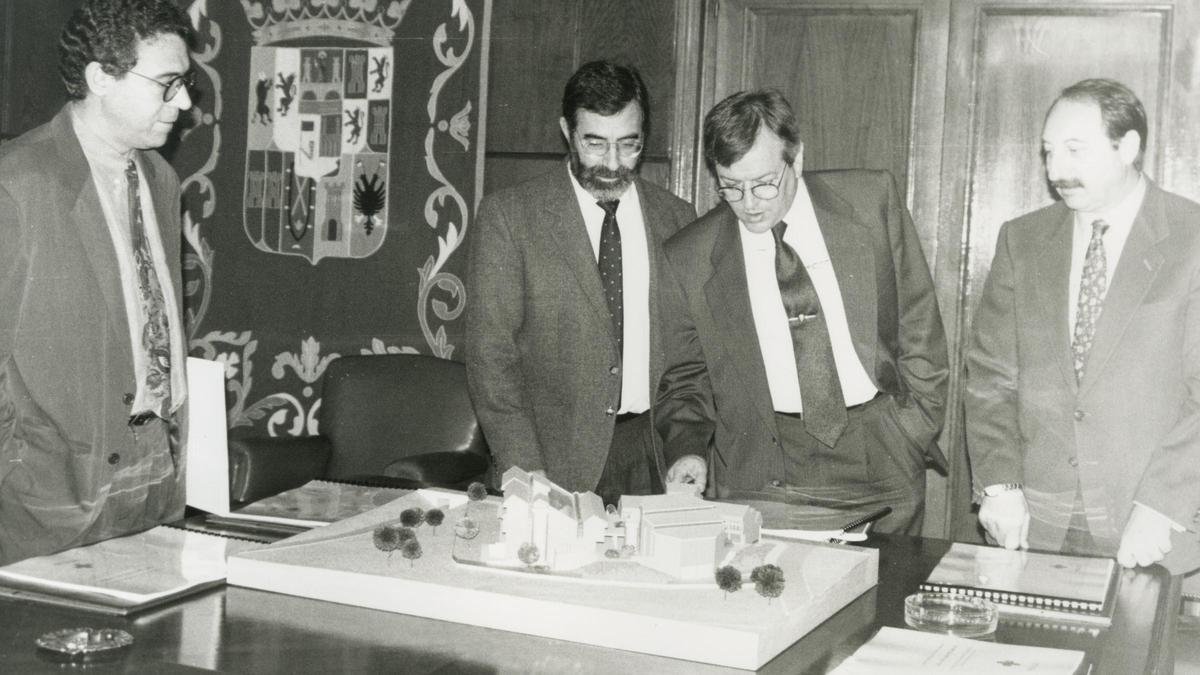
[{"x": 952, "y": 614}]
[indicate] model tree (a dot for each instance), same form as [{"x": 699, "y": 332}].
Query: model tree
[
  {"x": 476, "y": 492},
  {"x": 528, "y": 553},
  {"x": 387, "y": 539},
  {"x": 411, "y": 549},
  {"x": 405, "y": 534},
  {"x": 729, "y": 579},
  {"x": 466, "y": 528},
  {"x": 435, "y": 517},
  {"x": 412, "y": 517},
  {"x": 768, "y": 581}
]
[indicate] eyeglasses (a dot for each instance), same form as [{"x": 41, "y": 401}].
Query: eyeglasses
[
  {"x": 172, "y": 86},
  {"x": 597, "y": 147},
  {"x": 734, "y": 193}
]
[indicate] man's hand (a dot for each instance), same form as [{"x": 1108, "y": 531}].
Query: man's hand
[
  {"x": 689, "y": 469},
  {"x": 1006, "y": 519},
  {"x": 1147, "y": 538}
]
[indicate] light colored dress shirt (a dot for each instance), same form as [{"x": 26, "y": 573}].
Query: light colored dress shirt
[
  {"x": 770, "y": 320},
  {"x": 108, "y": 173},
  {"x": 635, "y": 289}
]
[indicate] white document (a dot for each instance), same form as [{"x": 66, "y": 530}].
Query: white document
[
  {"x": 913, "y": 652},
  {"x": 207, "y": 444}
]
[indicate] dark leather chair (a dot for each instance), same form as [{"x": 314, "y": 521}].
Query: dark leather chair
[{"x": 394, "y": 419}]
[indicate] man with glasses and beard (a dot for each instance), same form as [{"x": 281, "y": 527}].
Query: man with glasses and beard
[
  {"x": 806, "y": 358},
  {"x": 563, "y": 347},
  {"x": 91, "y": 337}
]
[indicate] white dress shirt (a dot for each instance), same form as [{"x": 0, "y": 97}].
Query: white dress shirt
[
  {"x": 770, "y": 320},
  {"x": 635, "y": 289}
]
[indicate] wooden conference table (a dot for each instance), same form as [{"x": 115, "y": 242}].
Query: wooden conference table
[{"x": 242, "y": 630}]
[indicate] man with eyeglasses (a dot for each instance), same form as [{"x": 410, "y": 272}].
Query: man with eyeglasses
[
  {"x": 91, "y": 336},
  {"x": 563, "y": 348},
  {"x": 807, "y": 362}
]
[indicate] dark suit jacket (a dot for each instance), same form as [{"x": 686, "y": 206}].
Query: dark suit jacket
[
  {"x": 66, "y": 365},
  {"x": 714, "y": 394},
  {"x": 1131, "y": 429},
  {"x": 541, "y": 354}
]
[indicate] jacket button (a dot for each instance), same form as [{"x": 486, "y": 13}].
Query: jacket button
[
  {"x": 114, "y": 458},
  {"x": 127, "y": 399},
  {"x": 776, "y": 483},
  {"x": 1073, "y": 461},
  {"x": 610, "y": 411},
  {"x": 614, "y": 370},
  {"x": 1079, "y": 415}
]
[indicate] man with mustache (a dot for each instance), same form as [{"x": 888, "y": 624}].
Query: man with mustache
[
  {"x": 1083, "y": 394},
  {"x": 91, "y": 336},
  {"x": 563, "y": 348}
]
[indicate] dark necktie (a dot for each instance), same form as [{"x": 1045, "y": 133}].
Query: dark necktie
[
  {"x": 820, "y": 388},
  {"x": 1092, "y": 284},
  {"x": 155, "y": 331},
  {"x": 610, "y": 269}
]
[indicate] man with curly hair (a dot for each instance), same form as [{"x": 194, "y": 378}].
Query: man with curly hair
[{"x": 91, "y": 342}]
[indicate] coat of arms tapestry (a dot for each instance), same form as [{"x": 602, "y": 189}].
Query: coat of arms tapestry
[{"x": 330, "y": 174}]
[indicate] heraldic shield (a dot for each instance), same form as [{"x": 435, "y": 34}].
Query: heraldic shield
[{"x": 317, "y": 142}]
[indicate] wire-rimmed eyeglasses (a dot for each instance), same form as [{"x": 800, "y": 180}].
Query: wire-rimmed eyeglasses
[
  {"x": 735, "y": 193},
  {"x": 598, "y": 147},
  {"x": 172, "y": 86}
]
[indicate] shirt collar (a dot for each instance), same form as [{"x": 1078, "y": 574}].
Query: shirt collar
[{"x": 1122, "y": 214}]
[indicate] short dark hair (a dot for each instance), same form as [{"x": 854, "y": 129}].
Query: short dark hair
[
  {"x": 1120, "y": 109},
  {"x": 108, "y": 32},
  {"x": 732, "y": 126},
  {"x": 604, "y": 88}
]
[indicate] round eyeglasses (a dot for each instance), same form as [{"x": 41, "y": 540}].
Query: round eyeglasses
[
  {"x": 172, "y": 86},
  {"x": 598, "y": 147},
  {"x": 734, "y": 193}
]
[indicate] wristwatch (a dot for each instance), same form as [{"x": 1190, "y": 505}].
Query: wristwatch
[{"x": 1000, "y": 488}]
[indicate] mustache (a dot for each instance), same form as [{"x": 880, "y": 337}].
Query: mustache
[{"x": 1066, "y": 183}]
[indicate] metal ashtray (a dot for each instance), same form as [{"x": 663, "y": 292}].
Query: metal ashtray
[
  {"x": 82, "y": 643},
  {"x": 951, "y": 614}
]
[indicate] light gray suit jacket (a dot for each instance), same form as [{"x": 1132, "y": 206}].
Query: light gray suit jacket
[
  {"x": 1131, "y": 429},
  {"x": 541, "y": 353},
  {"x": 66, "y": 365}
]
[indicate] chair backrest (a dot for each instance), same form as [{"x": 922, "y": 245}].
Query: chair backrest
[{"x": 378, "y": 408}]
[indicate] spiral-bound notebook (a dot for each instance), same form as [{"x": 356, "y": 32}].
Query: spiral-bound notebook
[{"x": 1030, "y": 584}]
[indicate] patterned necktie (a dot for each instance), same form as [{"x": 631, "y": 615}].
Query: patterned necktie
[
  {"x": 155, "y": 332},
  {"x": 820, "y": 388},
  {"x": 610, "y": 269},
  {"x": 1091, "y": 297}
]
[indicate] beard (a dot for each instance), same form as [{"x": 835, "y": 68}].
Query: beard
[{"x": 603, "y": 183}]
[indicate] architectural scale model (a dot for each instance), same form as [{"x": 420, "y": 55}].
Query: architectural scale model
[{"x": 680, "y": 535}]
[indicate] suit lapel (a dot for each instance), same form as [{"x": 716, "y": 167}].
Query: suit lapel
[
  {"x": 652, "y": 217},
  {"x": 1051, "y": 267},
  {"x": 1136, "y": 270},
  {"x": 853, "y": 260},
  {"x": 728, "y": 298},
  {"x": 567, "y": 230},
  {"x": 87, "y": 220}
]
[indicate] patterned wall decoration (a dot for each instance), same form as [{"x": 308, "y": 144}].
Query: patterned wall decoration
[{"x": 330, "y": 175}]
